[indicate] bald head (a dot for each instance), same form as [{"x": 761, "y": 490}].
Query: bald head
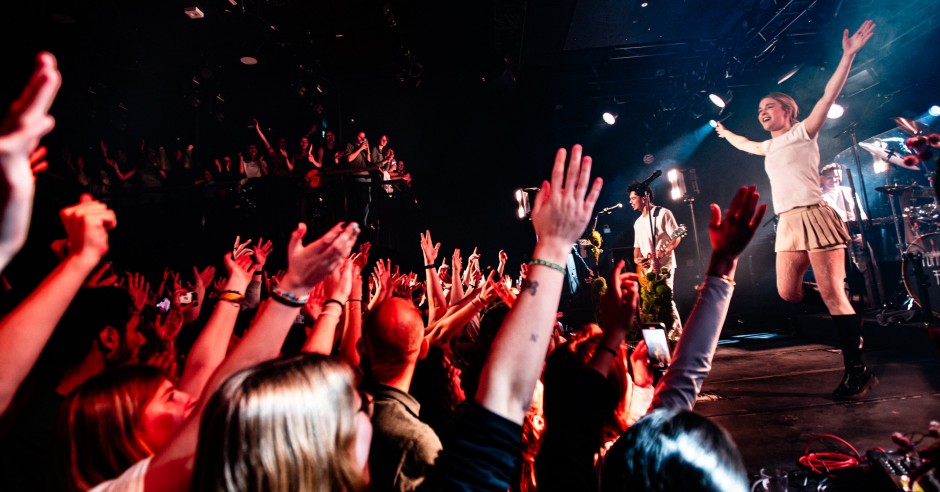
[{"x": 393, "y": 336}]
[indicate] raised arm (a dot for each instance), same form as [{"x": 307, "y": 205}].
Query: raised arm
[
  {"x": 437, "y": 304},
  {"x": 210, "y": 347},
  {"x": 739, "y": 142},
  {"x": 560, "y": 215},
  {"x": 171, "y": 467},
  {"x": 25, "y": 123},
  {"x": 850, "y": 47},
  {"x": 692, "y": 361},
  {"x": 25, "y": 331}
]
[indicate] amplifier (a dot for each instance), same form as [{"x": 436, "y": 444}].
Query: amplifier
[{"x": 895, "y": 469}]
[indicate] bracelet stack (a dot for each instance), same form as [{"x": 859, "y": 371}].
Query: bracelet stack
[{"x": 287, "y": 298}]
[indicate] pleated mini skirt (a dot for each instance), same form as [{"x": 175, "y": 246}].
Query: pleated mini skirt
[{"x": 811, "y": 228}]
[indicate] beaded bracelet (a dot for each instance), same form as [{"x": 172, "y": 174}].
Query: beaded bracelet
[
  {"x": 287, "y": 298},
  {"x": 553, "y": 266},
  {"x": 332, "y": 301}
]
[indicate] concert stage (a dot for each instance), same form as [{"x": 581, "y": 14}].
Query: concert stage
[{"x": 771, "y": 392}]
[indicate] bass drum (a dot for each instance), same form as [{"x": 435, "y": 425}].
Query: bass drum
[{"x": 928, "y": 247}]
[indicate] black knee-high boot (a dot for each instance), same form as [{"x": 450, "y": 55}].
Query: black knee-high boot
[{"x": 857, "y": 379}]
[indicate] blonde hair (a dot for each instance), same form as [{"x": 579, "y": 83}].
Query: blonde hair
[
  {"x": 100, "y": 426},
  {"x": 286, "y": 424},
  {"x": 787, "y": 102}
]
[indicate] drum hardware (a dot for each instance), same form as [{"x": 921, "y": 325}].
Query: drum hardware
[
  {"x": 913, "y": 127},
  {"x": 920, "y": 272}
]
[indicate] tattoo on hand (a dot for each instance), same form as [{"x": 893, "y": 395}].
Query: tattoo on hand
[{"x": 531, "y": 286}]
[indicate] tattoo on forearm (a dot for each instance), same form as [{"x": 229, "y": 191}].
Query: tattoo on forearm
[
  {"x": 531, "y": 286},
  {"x": 534, "y": 338}
]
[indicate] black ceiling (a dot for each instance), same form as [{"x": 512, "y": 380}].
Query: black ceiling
[{"x": 147, "y": 59}]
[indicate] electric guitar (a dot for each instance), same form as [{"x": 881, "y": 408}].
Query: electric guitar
[{"x": 680, "y": 231}]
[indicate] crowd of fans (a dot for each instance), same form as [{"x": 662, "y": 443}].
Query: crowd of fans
[{"x": 342, "y": 372}]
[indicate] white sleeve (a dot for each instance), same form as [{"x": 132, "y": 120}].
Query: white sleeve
[
  {"x": 132, "y": 480},
  {"x": 692, "y": 360}
]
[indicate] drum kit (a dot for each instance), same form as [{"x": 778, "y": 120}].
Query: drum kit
[{"x": 917, "y": 222}]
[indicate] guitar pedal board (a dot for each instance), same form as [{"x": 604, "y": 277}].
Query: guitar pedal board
[{"x": 895, "y": 470}]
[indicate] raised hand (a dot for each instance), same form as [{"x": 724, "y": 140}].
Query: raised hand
[
  {"x": 639, "y": 361},
  {"x": 139, "y": 289},
  {"x": 241, "y": 248},
  {"x": 428, "y": 248},
  {"x": 26, "y": 122},
  {"x": 103, "y": 276},
  {"x": 37, "y": 160},
  {"x": 563, "y": 207},
  {"x": 338, "y": 284},
  {"x": 731, "y": 234},
  {"x": 619, "y": 303},
  {"x": 852, "y": 44},
  {"x": 168, "y": 326},
  {"x": 240, "y": 270},
  {"x": 308, "y": 265},
  {"x": 86, "y": 225},
  {"x": 204, "y": 277},
  {"x": 261, "y": 250},
  {"x": 314, "y": 304}
]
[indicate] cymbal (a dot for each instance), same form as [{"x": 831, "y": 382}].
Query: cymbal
[
  {"x": 894, "y": 189},
  {"x": 886, "y": 155},
  {"x": 913, "y": 127}
]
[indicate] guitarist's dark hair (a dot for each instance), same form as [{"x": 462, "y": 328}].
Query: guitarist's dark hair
[{"x": 638, "y": 188}]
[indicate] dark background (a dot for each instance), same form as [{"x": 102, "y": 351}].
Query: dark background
[{"x": 475, "y": 97}]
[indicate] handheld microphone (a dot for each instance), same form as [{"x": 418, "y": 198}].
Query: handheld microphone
[
  {"x": 656, "y": 174},
  {"x": 610, "y": 209}
]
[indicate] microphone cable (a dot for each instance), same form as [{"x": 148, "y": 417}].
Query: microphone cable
[{"x": 824, "y": 463}]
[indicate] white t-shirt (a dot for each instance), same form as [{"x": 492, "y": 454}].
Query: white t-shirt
[
  {"x": 132, "y": 480},
  {"x": 840, "y": 200},
  {"x": 665, "y": 224},
  {"x": 792, "y": 164}
]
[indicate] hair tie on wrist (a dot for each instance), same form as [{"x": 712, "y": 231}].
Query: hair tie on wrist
[
  {"x": 553, "y": 266},
  {"x": 428, "y": 267},
  {"x": 332, "y": 301},
  {"x": 601, "y": 346}
]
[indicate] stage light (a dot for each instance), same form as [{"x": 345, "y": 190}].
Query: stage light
[
  {"x": 717, "y": 100},
  {"x": 934, "y": 110},
  {"x": 789, "y": 73},
  {"x": 835, "y": 112},
  {"x": 713, "y": 123},
  {"x": 609, "y": 118},
  {"x": 880, "y": 166},
  {"x": 676, "y": 183}
]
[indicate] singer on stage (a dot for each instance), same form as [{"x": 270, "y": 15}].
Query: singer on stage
[
  {"x": 809, "y": 231},
  {"x": 664, "y": 226}
]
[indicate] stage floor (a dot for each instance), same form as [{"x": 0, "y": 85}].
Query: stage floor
[{"x": 771, "y": 391}]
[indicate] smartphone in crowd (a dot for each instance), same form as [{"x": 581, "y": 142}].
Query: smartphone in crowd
[
  {"x": 654, "y": 334},
  {"x": 186, "y": 298},
  {"x": 163, "y": 305}
]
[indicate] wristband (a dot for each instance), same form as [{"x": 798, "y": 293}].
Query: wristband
[
  {"x": 429, "y": 267},
  {"x": 553, "y": 266},
  {"x": 332, "y": 301},
  {"x": 231, "y": 296},
  {"x": 231, "y": 292},
  {"x": 287, "y": 298}
]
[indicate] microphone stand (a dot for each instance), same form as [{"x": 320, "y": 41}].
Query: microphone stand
[{"x": 698, "y": 250}]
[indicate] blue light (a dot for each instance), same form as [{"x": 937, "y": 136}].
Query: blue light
[
  {"x": 934, "y": 110},
  {"x": 713, "y": 123}
]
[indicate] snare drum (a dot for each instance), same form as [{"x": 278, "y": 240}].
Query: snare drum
[{"x": 928, "y": 246}]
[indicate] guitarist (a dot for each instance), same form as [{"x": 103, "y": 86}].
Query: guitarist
[{"x": 653, "y": 250}]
